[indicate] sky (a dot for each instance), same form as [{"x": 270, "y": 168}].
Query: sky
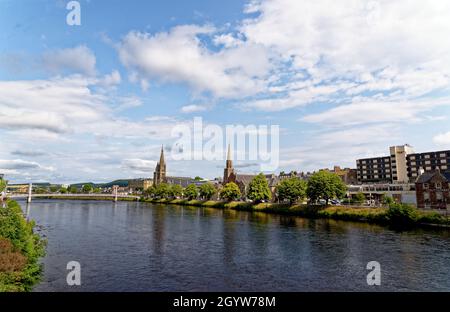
[{"x": 95, "y": 102}]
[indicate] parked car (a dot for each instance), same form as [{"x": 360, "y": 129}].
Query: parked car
[{"x": 335, "y": 202}]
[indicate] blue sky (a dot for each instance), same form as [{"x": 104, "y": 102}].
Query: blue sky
[{"x": 95, "y": 102}]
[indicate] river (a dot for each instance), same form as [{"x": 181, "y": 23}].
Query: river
[{"x": 131, "y": 246}]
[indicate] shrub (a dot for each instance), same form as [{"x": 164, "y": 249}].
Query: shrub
[
  {"x": 18, "y": 242},
  {"x": 402, "y": 214},
  {"x": 359, "y": 198}
]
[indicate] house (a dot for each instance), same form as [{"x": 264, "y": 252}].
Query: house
[{"x": 433, "y": 190}]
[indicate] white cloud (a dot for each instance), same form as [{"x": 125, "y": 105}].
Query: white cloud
[
  {"x": 68, "y": 106},
  {"x": 442, "y": 139},
  {"x": 79, "y": 59},
  {"x": 193, "y": 108},
  {"x": 18, "y": 164},
  {"x": 139, "y": 165},
  {"x": 379, "y": 46},
  {"x": 112, "y": 79},
  {"x": 180, "y": 56},
  {"x": 367, "y": 112}
]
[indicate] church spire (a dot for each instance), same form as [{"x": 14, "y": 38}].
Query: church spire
[
  {"x": 159, "y": 176},
  {"x": 161, "y": 158},
  {"x": 228, "y": 172}
]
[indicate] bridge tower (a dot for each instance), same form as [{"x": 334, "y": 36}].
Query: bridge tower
[
  {"x": 115, "y": 190},
  {"x": 30, "y": 188}
]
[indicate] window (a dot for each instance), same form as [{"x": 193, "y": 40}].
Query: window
[
  {"x": 427, "y": 156},
  {"x": 426, "y": 186},
  {"x": 428, "y": 168},
  {"x": 442, "y": 155},
  {"x": 438, "y": 186},
  {"x": 412, "y": 157},
  {"x": 426, "y": 196},
  {"x": 413, "y": 163},
  {"x": 439, "y": 196},
  {"x": 443, "y": 161}
]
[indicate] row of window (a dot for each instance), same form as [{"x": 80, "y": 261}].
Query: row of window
[
  {"x": 374, "y": 160},
  {"x": 429, "y": 156},
  {"x": 439, "y": 196},
  {"x": 437, "y": 185},
  {"x": 428, "y": 162}
]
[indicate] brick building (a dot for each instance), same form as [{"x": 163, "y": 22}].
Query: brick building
[{"x": 433, "y": 190}]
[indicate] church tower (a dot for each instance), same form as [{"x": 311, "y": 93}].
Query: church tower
[
  {"x": 228, "y": 172},
  {"x": 159, "y": 176}
]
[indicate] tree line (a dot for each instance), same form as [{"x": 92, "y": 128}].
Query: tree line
[{"x": 321, "y": 185}]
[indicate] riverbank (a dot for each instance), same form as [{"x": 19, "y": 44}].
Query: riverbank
[
  {"x": 20, "y": 250},
  {"x": 400, "y": 215}
]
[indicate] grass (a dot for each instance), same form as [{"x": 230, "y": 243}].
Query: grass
[{"x": 397, "y": 215}]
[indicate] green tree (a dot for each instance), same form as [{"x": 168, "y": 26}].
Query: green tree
[
  {"x": 53, "y": 188},
  {"x": 176, "y": 190},
  {"x": 87, "y": 188},
  {"x": 207, "y": 190},
  {"x": 387, "y": 200},
  {"x": 230, "y": 192},
  {"x": 97, "y": 190},
  {"x": 359, "y": 198},
  {"x": 40, "y": 190},
  {"x": 197, "y": 178},
  {"x": 292, "y": 189},
  {"x": 73, "y": 189},
  {"x": 2, "y": 185},
  {"x": 150, "y": 191},
  {"x": 325, "y": 185},
  {"x": 191, "y": 191},
  {"x": 63, "y": 190},
  {"x": 258, "y": 189},
  {"x": 162, "y": 190}
]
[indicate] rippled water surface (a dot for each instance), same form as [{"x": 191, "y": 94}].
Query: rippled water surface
[{"x": 129, "y": 246}]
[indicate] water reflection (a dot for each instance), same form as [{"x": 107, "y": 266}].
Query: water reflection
[{"x": 129, "y": 246}]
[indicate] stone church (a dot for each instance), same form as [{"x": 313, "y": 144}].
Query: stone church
[
  {"x": 243, "y": 180},
  {"x": 160, "y": 174}
]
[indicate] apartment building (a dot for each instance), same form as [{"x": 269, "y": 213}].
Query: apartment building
[
  {"x": 427, "y": 162},
  {"x": 374, "y": 170},
  {"x": 402, "y": 165}
]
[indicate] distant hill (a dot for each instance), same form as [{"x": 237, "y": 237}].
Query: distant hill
[{"x": 121, "y": 183}]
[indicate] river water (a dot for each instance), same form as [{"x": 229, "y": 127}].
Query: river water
[{"x": 130, "y": 246}]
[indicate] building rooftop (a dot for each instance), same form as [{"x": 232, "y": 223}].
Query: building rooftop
[{"x": 427, "y": 176}]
